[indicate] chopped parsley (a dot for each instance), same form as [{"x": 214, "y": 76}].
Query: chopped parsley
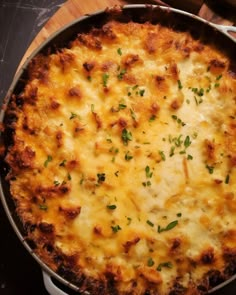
[
  {"x": 115, "y": 228},
  {"x": 126, "y": 136},
  {"x": 210, "y": 169},
  {"x": 49, "y": 159},
  {"x": 180, "y": 86},
  {"x": 73, "y": 115},
  {"x": 111, "y": 207},
  {"x": 128, "y": 156},
  {"x": 121, "y": 74},
  {"x": 164, "y": 264},
  {"x": 163, "y": 157},
  {"x": 43, "y": 207},
  {"x": 101, "y": 177},
  {"x": 148, "y": 172},
  {"x": 63, "y": 163},
  {"x": 227, "y": 179},
  {"x": 105, "y": 78},
  {"x": 150, "y": 223},
  {"x": 168, "y": 227},
  {"x": 119, "y": 51},
  {"x": 150, "y": 262}
]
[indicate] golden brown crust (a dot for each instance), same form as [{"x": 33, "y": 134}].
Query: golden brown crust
[{"x": 123, "y": 161}]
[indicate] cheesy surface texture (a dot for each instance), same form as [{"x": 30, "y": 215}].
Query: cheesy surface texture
[{"x": 123, "y": 162}]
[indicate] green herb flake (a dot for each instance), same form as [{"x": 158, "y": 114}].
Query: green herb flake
[
  {"x": 152, "y": 118},
  {"x": 56, "y": 182},
  {"x": 150, "y": 223},
  {"x": 105, "y": 78},
  {"x": 170, "y": 226},
  {"x": 49, "y": 159},
  {"x": 101, "y": 177},
  {"x": 141, "y": 92},
  {"x": 69, "y": 176},
  {"x": 122, "y": 106},
  {"x": 180, "y": 86},
  {"x": 189, "y": 157},
  {"x": 150, "y": 262},
  {"x": 148, "y": 172},
  {"x": 43, "y": 207},
  {"x": 227, "y": 179},
  {"x": 115, "y": 228},
  {"x": 73, "y": 115},
  {"x": 128, "y": 156},
  {"x": 126, "y": 136},
  {"x": 111, "y": 207},
  {"x": 119, "y": 51},
  {"x": 164, "y": 264},
  {"x": 210, "y": 169},
  {"x": 172, "y": 151},
  {"x": 187, "y": 142},
  {"x": 179, "y": 214},
  {"x": 63, "y": 163},
  {"x": 218, "y": 77},
  {"x": 163, "y": 157},
  {"x": 121, "y": 74}
]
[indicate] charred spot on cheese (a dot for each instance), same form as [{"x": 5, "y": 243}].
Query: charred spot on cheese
[
  {"x": 217, "y": 66},
  {"x": 122, "y": 152},
  {"x": 75, "y": 92}
]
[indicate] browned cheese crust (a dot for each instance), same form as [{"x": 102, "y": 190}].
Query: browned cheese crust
[{"x": 123, "y": 161}]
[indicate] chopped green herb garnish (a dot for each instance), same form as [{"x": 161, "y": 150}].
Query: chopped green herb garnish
[
  {"x": 43, "y": 207},
  {"x": 69, "y": 176},
  {"x": 119, "y": 51},
  {"x": 152, "y": 118},
  {"x": 179, "y": 214},
  {"x": 172, "y": 151},
  {"x": 122, "y": 106},
  {"x": 117, "y": 173},
  {"x": 218, "y": 77},
  {"x": 105, "y": 78},
  {"x": 115, "y": 228},
  {"x": 210, "y": 169},
  {"x": 180, "y": 86},
  {"x": 148, "y": 172},
  {"x": 163, "y": 157},
  {"x": 150, "y": 262},
  {"x": 189, "y": 157},
  {"x": 126, "y": 136},
  {"x": 73, "y": 115},
  {"x": 141, "y": 92},
  {"x": 128, "y": 157},
  {"x": 168, "y": 227},
  {"x": 101, "y": 177},
  {"x": 49, "y": 159},
  {"x": 187, "y": 141},
  {"x": 121, "y": 74},
  {"x": 150, "y": 223},
  {"x": 56, "y": 182},
  {"x": 227, "y": 179},
  {"x": 164, "y": 264},
  {"x": 63, "y": 163},
  {"x": 111, "y": 207}
]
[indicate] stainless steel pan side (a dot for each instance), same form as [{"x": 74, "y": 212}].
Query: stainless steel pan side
[{"x": 171, "y": 17}]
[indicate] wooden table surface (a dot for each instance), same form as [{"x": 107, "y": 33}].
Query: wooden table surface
[{"x": 73, "y": 9}]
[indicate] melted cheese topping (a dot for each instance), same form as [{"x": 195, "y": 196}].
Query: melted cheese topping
[{"x": 124, "y": 157}]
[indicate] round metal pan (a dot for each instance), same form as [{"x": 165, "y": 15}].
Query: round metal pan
[{"x": 180, "y": 20}]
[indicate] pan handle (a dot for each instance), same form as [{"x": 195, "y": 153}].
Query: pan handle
[
  {"x": 226, "y": 29},
  {"x": 50, "y": 286}
]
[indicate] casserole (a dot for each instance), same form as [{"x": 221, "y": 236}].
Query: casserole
[{"x": 133, "y": 89}]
